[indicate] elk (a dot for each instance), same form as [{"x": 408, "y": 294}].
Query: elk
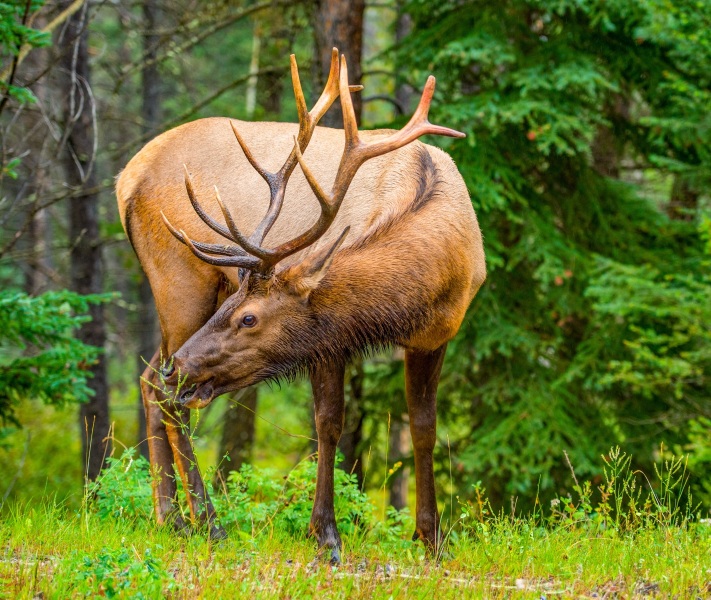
[{"x": 391, "y": 255}]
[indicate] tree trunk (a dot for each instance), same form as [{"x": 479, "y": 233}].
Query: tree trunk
[
  {"x": 350, "y": 443},
  {"x": 339, "y": 24},
  {"x": 238, "y": 432},
  {"x": 608, "y": 145},
  {"x": 85, "y": 256},
  {"x": 35, "y": 144},
  {"x": 684, "y": 200},
  {"x": 399, "y": 451},
  {"x": 278, "y": 36},
  {"x": 251, "y": 94},
  {"x": 151, "y": 87}
]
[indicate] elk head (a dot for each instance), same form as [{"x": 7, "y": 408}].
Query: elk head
[{"x": 270, "y": 327}]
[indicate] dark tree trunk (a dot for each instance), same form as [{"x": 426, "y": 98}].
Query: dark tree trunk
[
  {"x": 399, "y": 451},
  {"x": 278, "y": 35},
  {"x": 608, "y": 145},
  {"x": 238, "y": 432},
  {"x": 86, "y": 263},
  {"x": 151, "y": 119},
  {"x": 33, "y": 180},
  {"x": 352, "y": 436},
  {"x": 684, "y": 200},
  {"x": 339, "y": 24},
  {"x": 403, "y": 90}
]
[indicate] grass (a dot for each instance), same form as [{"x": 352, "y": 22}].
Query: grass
[
  {"x": 49, "y": 552},
  {"x": 637, "y": 538}
]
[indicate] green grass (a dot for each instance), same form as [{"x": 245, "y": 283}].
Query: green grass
[
  {"x": 632, "y": 536},
  {"x": 57, "y": 553}
]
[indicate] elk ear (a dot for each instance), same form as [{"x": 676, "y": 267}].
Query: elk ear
[{"x": 312, "y": 271}]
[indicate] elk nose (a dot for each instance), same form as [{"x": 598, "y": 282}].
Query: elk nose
[{"x": 168, "y": 369}]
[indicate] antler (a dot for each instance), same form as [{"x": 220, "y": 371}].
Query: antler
[
  {"x": 250, "y": 254},
  {"x": 276, "y": 181}
]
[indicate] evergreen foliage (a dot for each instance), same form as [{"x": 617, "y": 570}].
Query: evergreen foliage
[
  {"x": 594, "y": 326},
  {"x": 39, "y": 355}
]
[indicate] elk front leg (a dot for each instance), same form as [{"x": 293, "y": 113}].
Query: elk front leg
[
  {"x": 159, "y": 450},
  {"x": 422, "y": 370},
  {"x": 177, "y": 419},
  {"x": 329, "y": 410}
]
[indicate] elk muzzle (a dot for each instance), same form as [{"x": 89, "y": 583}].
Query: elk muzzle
[{"x": 192, "y": 391}]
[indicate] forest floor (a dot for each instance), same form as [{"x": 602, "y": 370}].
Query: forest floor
[{"x": 49, "y": 551}]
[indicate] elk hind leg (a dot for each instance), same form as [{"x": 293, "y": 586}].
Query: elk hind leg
[
  {"x": 329, "y": 409},
  {"x": 422, "y": 371}
]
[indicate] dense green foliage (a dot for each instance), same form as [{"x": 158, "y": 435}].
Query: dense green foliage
[
  {"x": 594, "y": 326},
  {"x": 254, "y": 501},
  {"x": 39, "y": 356}
]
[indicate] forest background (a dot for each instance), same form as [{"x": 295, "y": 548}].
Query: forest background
[{"x": 588, "y": 161}]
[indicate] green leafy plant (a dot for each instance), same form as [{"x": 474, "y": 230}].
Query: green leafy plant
[
  {"x": 123, "y": 573},
  {"x": 257, "y": 497},
  {"x": 39, "y": 355},
  {"x": 124, "y": 488},
  {"x": 253, "y": 501}
]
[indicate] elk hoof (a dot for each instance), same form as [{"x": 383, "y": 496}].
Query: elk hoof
[
  {"x": 432, "y": 540},
  {"x": 329, "y": 542},
  {"x": 177, "y": 523},
  {"x": 335, "y": 560}
]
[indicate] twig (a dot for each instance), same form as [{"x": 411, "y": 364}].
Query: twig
[
  {"x": 58, "y": 20},
  {"x": 15, "y": 61}
]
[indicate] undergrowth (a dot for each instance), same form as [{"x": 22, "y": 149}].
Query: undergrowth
[{"x": 627, "y": 535}]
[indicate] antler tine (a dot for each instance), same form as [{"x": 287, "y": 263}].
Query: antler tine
[
  {"x": 207, "y": 219},
  {"x": 238, "y": 257},
  {"x": 321, "y": 196},
  {"x": 266, "y": 175},
  {"x": 417, "y": 126},
  {"x": 301, "y": 108},
  {"x": 212, "y": 248},
  {"x": 246, "y": 262},
  {"x": 237, "y": 235},
  {"x": 350, "y": 125}
]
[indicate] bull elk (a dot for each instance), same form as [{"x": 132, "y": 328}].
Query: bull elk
[{"x": 392, "y": 255}]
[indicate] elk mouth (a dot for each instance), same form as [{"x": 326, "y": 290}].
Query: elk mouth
[{"x": 198, "y": 395}]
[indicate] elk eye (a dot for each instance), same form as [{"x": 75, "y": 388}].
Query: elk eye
[{"x": 249, "y": 320}]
